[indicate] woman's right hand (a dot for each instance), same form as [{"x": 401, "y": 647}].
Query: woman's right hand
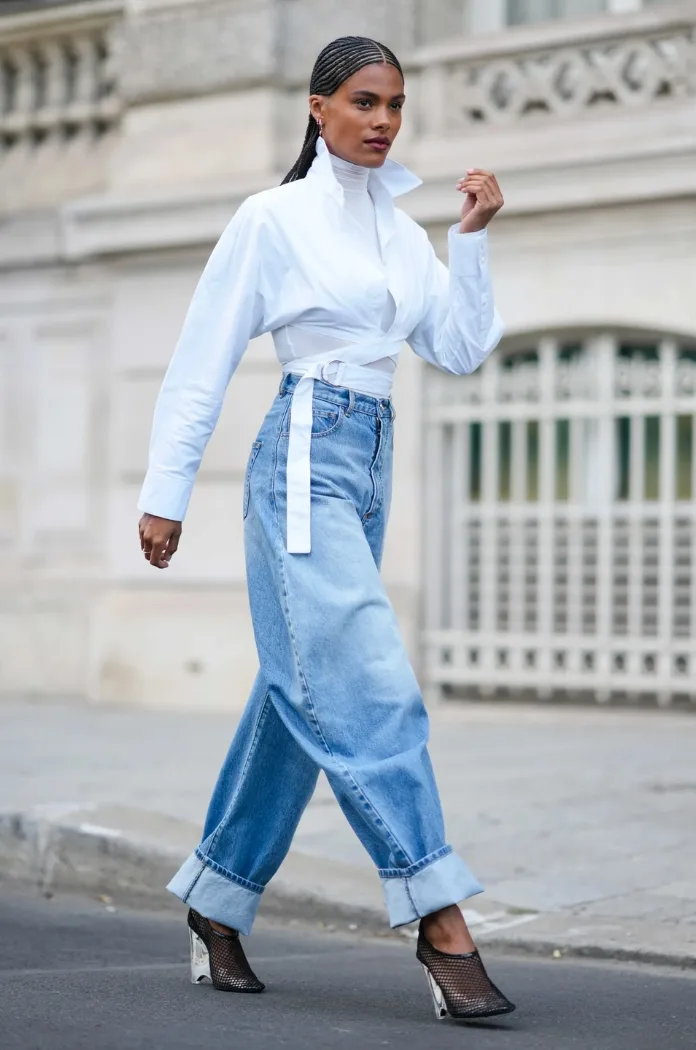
[{"x": 159, "y": 539}]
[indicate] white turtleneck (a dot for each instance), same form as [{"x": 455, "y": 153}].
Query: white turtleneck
[
  {"x": 358, "y": 203},
  {"x": 357, "y": 200}
]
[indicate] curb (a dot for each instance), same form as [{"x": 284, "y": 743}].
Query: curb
[{"x": 51, "y": 855}]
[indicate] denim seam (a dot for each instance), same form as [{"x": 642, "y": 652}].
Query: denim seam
[
  {"x": 274, "y": 473},
  {"x": 262, "y": 716},
  {"x": 393, "y": 841},
  {"x": 414, "y": 869},
  {"x": 253, "y": 456},
  {"x": 391, "y": 837},
  {"x": 376, "y": 476},
  {"x": 286, "y": 610},
  {"x": 253, "y": 887},
  {"x": 193, "y": 882},
  {"x": 380, "y": 462},
  {"x": 407, "y": 887},
  {"x": 296, "y": 655}
]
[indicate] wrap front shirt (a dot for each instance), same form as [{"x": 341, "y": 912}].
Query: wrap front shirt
[{"x": 293, "y": 261}]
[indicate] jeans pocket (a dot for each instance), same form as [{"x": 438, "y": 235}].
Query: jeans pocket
[
  {"x": 255, "y": 449},
  {"x": 325, "y": 420}
]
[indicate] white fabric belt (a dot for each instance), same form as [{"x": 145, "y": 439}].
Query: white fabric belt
[{"x": 354, "y": 377}]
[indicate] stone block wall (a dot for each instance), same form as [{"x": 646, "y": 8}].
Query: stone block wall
[{"x": 110, "y": 203}]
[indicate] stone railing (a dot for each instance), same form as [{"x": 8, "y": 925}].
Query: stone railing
[
  {"x": 554, "y": 70},
  {"x": 57, "y": 73}
]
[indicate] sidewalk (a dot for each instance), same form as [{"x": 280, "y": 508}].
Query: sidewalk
[{"x": 580, "y": 823}]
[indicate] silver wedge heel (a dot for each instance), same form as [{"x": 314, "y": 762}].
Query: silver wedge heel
[
  {"x": 200, "y": 959},
  {"x": 436, "y": 993}
]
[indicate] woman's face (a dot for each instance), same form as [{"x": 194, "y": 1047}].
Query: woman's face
[{"x": 362, "y": 119}]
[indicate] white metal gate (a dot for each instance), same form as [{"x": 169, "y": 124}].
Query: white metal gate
[{"x": 560, "y": 544}]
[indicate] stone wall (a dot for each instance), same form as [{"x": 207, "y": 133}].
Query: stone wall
[{"x": 111, "y": 203}]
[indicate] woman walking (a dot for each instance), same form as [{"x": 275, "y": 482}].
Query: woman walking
[{"x": 341, "y": 278}]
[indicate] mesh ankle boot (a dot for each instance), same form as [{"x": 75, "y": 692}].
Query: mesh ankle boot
[
  {"x": 220, "y": 958},
  {"x": 459, "y": 984}
]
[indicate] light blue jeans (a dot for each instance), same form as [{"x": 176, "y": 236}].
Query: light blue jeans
[{"x": 335, "y": 690}]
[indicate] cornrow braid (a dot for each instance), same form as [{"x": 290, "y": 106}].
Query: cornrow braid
[{"x": 338, "y": 61}]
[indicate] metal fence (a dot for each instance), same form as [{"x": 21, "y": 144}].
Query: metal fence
[{"x": 561, "y": 551}]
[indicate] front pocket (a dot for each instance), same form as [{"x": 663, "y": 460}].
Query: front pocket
[
  {"x": 255, "y": 449},
  {"x": 324, "y": 421}
]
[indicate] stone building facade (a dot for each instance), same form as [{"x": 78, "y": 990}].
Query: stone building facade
[{"x": 130, "y": 130}]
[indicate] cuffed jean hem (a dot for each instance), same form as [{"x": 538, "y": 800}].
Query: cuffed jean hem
[
  {"x": 222, "y": 898},
  {"x": 431, "y": 886}
]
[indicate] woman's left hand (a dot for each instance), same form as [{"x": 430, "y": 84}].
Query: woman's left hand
[{"x": 483, "y": 199}]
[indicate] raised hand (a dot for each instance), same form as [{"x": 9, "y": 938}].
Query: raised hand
[{"x": 483, "y": 199}]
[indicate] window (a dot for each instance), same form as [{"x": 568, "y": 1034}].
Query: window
[{"x": 560, "y": 485}]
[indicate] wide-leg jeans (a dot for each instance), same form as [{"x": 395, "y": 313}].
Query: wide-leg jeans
[{"x": 335, "y": 690}]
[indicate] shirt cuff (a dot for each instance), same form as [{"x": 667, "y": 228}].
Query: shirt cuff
[
  {"x": 468, "y": 252},
  {"x": 164, "y": 496}
]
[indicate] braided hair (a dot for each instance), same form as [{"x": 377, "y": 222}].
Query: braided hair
[{"x": 338, "y": 61}]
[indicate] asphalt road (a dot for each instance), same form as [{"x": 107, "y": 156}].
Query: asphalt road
[{"x": 75, "y": 976}]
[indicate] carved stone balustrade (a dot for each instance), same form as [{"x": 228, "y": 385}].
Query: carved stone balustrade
[
  {"x": 559, "y": 70},
  {"x": 58, "y": 74}
]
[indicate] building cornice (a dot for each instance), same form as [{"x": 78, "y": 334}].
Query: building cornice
[{"x": 21, "y": 21}]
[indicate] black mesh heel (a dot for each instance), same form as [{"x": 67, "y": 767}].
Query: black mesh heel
[
  {"x": 459, "y": 984},
  {"x": 220, "y": 958}
]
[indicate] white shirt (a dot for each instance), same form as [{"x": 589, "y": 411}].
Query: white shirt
[
  {"x": 354, "y": 178},
  {"x": 293, "y": 261}
]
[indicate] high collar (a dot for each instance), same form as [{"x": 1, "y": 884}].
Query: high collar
[
  {"x": 353, "y": 177},
  {"x": 392, "y": 176}
]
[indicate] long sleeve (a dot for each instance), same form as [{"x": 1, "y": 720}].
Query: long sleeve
[
  {"x": 461, "y": 324},
  {"x": 226, "y": 311}
]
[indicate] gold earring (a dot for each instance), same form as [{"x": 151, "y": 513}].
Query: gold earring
[{"x": 320, "y": 122}]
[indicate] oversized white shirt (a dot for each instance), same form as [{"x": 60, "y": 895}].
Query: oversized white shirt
[{"x": 293, "y": 262}]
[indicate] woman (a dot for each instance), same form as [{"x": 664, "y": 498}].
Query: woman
[{"x": 341, "y": 278}]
